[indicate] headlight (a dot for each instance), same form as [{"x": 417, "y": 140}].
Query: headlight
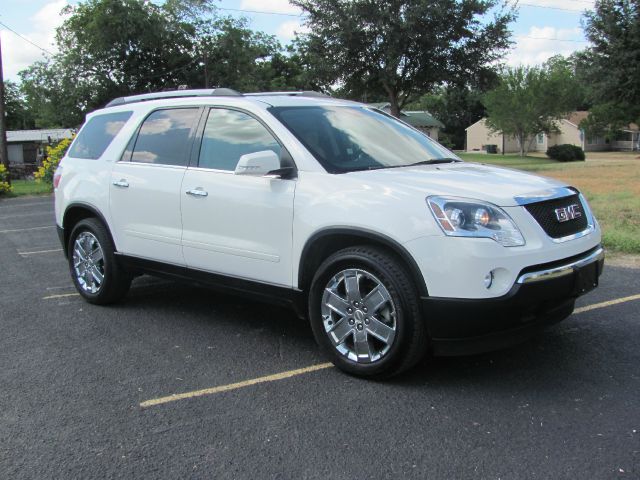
[{"x": 461, "y": 217}]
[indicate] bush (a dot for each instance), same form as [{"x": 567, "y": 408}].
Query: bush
[
  {"x": 566, "y": 153},
  {"x": 50, "y": 163},
  {"x": 4, "y": 177}
]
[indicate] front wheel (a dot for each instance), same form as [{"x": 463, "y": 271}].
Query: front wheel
[
  {"x": 94, "y": 269},
  {"x": 364, "y": 313}
]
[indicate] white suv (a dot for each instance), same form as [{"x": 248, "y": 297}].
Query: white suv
[{"x": 388, "y": 242}]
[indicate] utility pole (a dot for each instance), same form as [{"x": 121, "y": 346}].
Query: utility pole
[{"x": 4, "y": 155}]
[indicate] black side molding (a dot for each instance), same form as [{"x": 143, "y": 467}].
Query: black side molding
[{"x": 265, "y": 292}]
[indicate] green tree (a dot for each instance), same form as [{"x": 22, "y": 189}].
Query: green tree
[
  {"x": 112, "y": 48},
  {"x": 530, "y": 100},
  {"x": 611, "y": 66},
  {"x": 18, "y": 115},
  {"x": 401, "y": 48},
  {"x": 232, "y": 55},
  {"x": 457, "y": 106},
  {"x": 109, "y": 48}
]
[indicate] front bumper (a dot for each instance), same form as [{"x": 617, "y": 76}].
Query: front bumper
[{"x": 543, "y": 295}]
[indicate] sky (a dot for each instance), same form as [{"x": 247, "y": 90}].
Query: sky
[{"x": 544, "y": 27}]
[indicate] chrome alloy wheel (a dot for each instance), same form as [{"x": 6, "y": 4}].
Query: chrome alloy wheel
[
  {"x": 359, "y": 315},
  {"x": 88, "y": 262}
]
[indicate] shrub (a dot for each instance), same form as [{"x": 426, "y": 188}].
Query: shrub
[
  {"x": 4, "y": 177},
  {"x": 50, "y": 163},
  {"x": 566, "y": 153}
]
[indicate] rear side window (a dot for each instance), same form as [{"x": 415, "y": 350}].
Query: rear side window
[
  {"x": 164, "y": 137},
  {"x": 228, "y": 135},
  {"x": 97, "y": 134}
]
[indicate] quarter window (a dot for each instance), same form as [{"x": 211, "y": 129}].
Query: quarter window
[
  {"x": 164, "y": 137},
  {"x": 97, "y": 134},
  {"x": 228, "y": 135}
]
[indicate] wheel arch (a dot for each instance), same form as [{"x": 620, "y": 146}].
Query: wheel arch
[
  {"x": 76, "y": 212},
  {"x": 329, "y": 240}
]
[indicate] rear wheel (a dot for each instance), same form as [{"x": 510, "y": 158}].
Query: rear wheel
[
  {"x": 93, "y": 266},
  {"x": 364, "y": 313}
]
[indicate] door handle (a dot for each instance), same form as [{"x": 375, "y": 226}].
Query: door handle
[
  {"x": 197, "y": 192},
  {"x": 121, "y": 183}
]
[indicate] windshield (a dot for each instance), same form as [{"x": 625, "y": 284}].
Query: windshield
[{"x": 346, "y": 139}]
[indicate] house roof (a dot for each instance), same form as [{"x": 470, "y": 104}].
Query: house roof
[
  {"x": 415, "y": 118},
  {"x": 40, "y": 136},
  {"x": 577, "y": 117},
  {"x": 421, "y": 119}
]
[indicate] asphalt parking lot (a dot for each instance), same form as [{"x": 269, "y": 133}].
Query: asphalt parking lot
[{"x": 85, "y": 391}]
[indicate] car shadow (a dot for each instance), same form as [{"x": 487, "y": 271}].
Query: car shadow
[{"x": 550, "y": 360}]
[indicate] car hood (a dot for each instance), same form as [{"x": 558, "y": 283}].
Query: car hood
[{"x": 497, "y": 185}]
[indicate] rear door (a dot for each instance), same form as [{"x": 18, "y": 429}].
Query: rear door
[
  {"x": 236, "y": 225},
  {"x": 145, "y": 186}
]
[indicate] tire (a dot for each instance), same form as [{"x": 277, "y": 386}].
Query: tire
[
  {"x": 91, "y": 236},
  {"x": 391, "y": 348}
]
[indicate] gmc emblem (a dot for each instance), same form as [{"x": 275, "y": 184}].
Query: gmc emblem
[{"x": 565, "y": 214}]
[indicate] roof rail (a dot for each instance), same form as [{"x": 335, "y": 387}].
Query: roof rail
[
  {"x": 302, "y": 93},
  {"x": 215, "y": 92}
]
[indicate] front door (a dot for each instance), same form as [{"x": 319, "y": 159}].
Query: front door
[
  {"x": 236, "y": 225},
  {"x": 145, "y": 186}
]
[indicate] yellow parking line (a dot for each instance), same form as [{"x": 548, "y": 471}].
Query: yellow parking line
[
  {"x": 37, "y": 252},
  {"x": 235, "y": 386},
  {"x": 313, "y": 368},
  {"x": 26, "y": 229},
  {"x": 62, "y": 295},
  {"x": 608, "y": 303}
]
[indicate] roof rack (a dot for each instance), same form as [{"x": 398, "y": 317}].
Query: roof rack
[
  {"x": 215, "y": 92},
  {"x": 302, "y": 93}
]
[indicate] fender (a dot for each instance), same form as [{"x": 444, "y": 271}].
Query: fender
[
  {"x": 64, "y": 235},
  {"x": 371, "y": 236}
]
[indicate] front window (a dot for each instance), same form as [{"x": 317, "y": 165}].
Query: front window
[
  {"x": 229, "y": 134},
  {"x": 346, "y": 139}
]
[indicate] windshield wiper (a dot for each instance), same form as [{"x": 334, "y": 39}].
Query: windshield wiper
[{"x": 435, "y": 161}]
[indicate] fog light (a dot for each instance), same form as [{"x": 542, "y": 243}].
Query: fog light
[{"x": 488, "y": 279}]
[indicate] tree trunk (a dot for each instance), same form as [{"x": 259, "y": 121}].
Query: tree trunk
[
  {"x": 521, "y": 140},
  {"x": 395, "y": 106},
  {"x": 393, "y": 100}
]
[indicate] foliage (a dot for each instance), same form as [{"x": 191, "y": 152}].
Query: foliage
[
  {"x": 18, "y": 115},
  {"x": 5, "y": 186},
  {"x": 112, "y": 48},
  {"x": 610, "y": 66},
  {"x": 398, "y": 49},
  {"x": 53, "y": 156},
  {"x": 530, "y": 100},
  {"x": 455, "y": 106},
  {"x": 566, "y": 153}
]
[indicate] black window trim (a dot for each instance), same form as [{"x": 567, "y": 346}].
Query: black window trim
[
  {"x": 197, "y": 144},
  {"x": 190, "y": 139}
]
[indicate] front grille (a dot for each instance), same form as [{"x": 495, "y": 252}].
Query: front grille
[{"x": 545, "y": 215}]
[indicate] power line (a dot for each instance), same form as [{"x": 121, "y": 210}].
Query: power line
[
  {"x": 26, "y": 39},
  {"x": 261, "y": 12},
  {"x": 552, "y": 38},
  {"x": 532, "y": 5}
]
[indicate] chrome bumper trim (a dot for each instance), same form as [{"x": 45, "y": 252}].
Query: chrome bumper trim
[{"x": 562, "y": 270}]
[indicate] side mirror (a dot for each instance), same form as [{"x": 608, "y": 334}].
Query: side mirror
[{"x": 258, "y": 164}]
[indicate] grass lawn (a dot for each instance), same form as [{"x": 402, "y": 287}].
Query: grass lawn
[
  {"x": 28, "y": 187},
  {"x": 610, "y": 181}
]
